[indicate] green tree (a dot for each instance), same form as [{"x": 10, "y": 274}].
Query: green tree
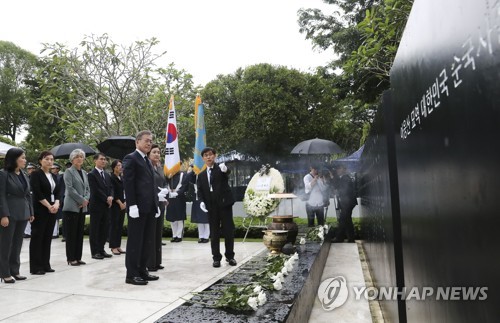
[
  {"x": 16, "y": 68},
  {"x": 266, "y": 110},
  {"x": 102, "y": 89}
]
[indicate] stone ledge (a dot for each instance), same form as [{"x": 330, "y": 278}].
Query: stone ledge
[{"x": 293, "y": 303}]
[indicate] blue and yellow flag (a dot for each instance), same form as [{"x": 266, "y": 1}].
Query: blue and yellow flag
[{"x": 201, "y": 136}]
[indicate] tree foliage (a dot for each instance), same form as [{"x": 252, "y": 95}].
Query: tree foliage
[
  {"x": 266, "y": 110},
  {"x": 365, "y": 35},
  {"x": 102, "y": 89},
  {"x": 17, "y": 67}
]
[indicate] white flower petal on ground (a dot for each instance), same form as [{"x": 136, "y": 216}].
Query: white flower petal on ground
[
  {"x": 257, "y": 289},
  {"x": 284, "y": 271},
  {"x": 302, "y": 240},
  {"x": 262, "y": 298},
  {"x": 281, "y": 276},
  {"x": 252, "y": 302},
  {"x": 295, "y": 256},
  {"x": 277, "y": 285}
]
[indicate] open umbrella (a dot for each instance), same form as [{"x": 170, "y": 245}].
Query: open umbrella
[
  {"x": 316, "y": 147},
  {"x": 4, "y": 148},
  {"x": 117, "y": 146},
  {"x": 63, "y": 151}
]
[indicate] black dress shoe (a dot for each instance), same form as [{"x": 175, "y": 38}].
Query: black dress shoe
[
  {"x": 38, "y": 272},
  {"x": 152, "y": 269},
  {"x": 98, "y": 256},
  {"x": 135, "y": 281},
  {"x": 200, "y": 240},
  {"x": 173, "y": 239},
  {"x": 106, "y": 255},
  {"x": 216, "y": 263},
  {"x": 149, "y": 277},
  {"x": 81, "y": 262},
  {"x": 19, "y": 277},
  {"x": 50, "y": 270},
  {"x": 8, "y": 281},
  {"x": 205, "y": 240},
  {"x": 160, "y": 267},
  {"x": 163, "y": 243},
  {"x": 231, "y": 262}
]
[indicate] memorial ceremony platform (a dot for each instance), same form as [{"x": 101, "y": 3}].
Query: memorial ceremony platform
[{"x": 96, "y": 292}]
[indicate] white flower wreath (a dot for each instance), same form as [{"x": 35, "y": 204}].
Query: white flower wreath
[{"x": 256, "y": 202}]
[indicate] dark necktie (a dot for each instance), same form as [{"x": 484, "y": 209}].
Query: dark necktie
[
  {"x": 210, "y": 176},
  {"x": 146, "y": 159},
  {"x": 102, "y": 175}
]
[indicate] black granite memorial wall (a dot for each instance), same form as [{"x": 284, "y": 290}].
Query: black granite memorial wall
[{"x": 445, "y": 106}]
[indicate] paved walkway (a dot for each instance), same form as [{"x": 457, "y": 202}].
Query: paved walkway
[{"x": 97, "y": 291}]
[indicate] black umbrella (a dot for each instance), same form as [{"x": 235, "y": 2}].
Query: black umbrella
[
  {"x": 63, "y": 151},
  {"x": 117, "y": 146},
  {"x": 317, "y": 147}
]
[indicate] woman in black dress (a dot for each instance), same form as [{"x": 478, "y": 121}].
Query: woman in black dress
[
  {"x": 118, "y": 208},
  {"x": 45, "y": 206}
]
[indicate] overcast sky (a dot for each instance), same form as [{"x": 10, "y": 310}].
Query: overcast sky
[{"x": 204, "y": 37}]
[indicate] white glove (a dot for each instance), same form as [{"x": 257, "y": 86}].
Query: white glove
[
  {"x": 223, "y": 167},
  {"x": 157, "y": 215},
  {"x": 163, "y": 190},
  {"x": 203, "y": 207},
  {"x": 133, "y": 211},
  {"x": 173, "y": 195}
]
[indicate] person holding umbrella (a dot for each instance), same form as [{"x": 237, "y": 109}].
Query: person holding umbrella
[{"x": 315, "y": 187}]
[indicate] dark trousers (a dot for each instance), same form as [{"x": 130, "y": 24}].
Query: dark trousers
[
  {"x": 315, "y": 211},
  {"x": 116, "y": 226},
  {"x": 75, "y": 223},
  {"x": 99, "y": 226},
  {"x": 346, "y": 227},
  {"x": 139, "y": 243},
  {"x": 156, "y": 254},
  {"x": 11, "y": 242},
  {"x": 41, "y": 240},
  {"x": 221, "y": 223}
]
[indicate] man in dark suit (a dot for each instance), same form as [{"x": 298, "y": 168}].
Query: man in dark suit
[
  {"x": 143, "y": 207},
  {"x": 217, "y": 199},
  {"x": 347, "y": 202},
  {"x": 101, "y": 198}
]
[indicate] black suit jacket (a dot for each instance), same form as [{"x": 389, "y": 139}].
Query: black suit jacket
[
  {"x": 41, "y": 190},
  {"x": 345, "y": 189},
  {"x": 15, "y": 200},
  {"x": 139, "y": 184},
  {"x": 99, "y": 190},
  {"x": 117, "y": 188},
  {"x": 221, "y": 194}
]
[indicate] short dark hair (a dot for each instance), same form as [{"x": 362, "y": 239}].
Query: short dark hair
[
  {"x": 114, "y": 163},
  {"x": 207, "y": 149},
  {"x": 153, "y": 146},
  {"x": 96, "y": 156},
  {"x": 10, "y": 162},
  {"x": 44, "y": 154}
]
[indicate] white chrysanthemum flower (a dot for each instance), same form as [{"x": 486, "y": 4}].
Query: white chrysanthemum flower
[
  {"x": 302, "y": 240},
  {"x": 257, "y": 289},
  {"x": 262, "y": 298},
  {"x": 277, "y": 285},
  {"x": 321, "y": 235},
  {"x": 253, "y": 303},
  {"x": 284, "y": 271},
  {"x": 295, "y": 256},
  {"x": 281, "y": 276},
  {"x": 289, "y": 266}
]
